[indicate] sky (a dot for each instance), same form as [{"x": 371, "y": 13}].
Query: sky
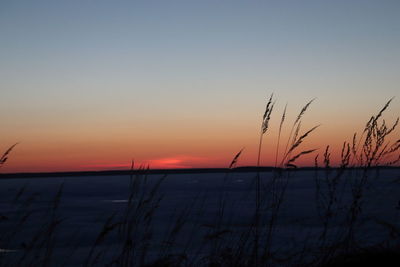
[{"x": 91, "y": 85}]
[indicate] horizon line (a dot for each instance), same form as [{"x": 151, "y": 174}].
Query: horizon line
[{"x": 168, "y": 171}]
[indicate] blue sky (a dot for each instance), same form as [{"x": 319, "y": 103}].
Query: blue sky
[{"x": 97, "y": 65}]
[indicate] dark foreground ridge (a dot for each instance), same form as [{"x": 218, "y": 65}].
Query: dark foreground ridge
[
  {"x": 154, "y": 171},
  {"x": 131, "y": 172}
]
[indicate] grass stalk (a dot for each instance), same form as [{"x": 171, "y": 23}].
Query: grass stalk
[{"x": 279, "y": 136}]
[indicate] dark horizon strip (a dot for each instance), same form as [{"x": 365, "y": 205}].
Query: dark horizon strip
[{"x": 161, "y": 171}]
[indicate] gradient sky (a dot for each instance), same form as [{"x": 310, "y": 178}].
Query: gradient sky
[{"x": 92, "y": 84}]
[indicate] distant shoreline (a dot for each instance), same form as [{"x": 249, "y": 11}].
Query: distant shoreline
[{"x": 158, "y": 171}]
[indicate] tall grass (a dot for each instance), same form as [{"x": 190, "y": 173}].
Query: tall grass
[
  {"x": 264, "y": 127},
  {"x": 279, "y": 135},
  {"x": 5, "y": 155},
  {"x": 375, "y": 148}
]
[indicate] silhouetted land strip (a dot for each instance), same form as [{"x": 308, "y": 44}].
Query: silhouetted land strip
[{"x": 159, "y": 171}]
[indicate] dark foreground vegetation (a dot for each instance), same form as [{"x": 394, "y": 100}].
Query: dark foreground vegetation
[{"x": 339, "y": 198}]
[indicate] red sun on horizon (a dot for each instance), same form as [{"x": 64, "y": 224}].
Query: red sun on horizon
[{"x": 173, "y": 162}]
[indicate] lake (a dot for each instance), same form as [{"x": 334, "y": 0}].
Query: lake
[{"x": 190, "y": 214}]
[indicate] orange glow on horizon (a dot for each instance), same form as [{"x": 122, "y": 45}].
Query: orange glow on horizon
[{"x": 183, "y": 144}]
